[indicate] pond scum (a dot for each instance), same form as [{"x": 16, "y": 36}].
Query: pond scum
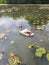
[{"x": 39, "y": 51}]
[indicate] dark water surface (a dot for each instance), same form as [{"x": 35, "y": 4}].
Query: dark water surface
[{"x": 21, "y": 42}]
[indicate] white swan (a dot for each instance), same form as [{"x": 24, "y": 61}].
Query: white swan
[{"x": 26, "y": 32}]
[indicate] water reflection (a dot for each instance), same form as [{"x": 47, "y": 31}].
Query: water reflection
[{"x": 10, "y": 28}]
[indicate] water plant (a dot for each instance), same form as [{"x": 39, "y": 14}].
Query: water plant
[
  {"x": 40, "y": 51},
  {"x": 41, "y": 40},
  {"x": 12, "y": 42},
  {"x": 2, "y": 35},
  {"x": 38, "y": 54},
  {"x": 31, "y": 46},
  {"x": 13, "y": 59},
  {"x": 47, "y": 56},
  {"x": 1, "y": 56}
]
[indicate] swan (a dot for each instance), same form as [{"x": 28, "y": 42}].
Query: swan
[{"x": 26, "y": 32}]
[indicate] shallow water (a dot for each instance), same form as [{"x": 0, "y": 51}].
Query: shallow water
[{"x": 21, "y": 42}]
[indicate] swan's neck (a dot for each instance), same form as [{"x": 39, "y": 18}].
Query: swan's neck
[{"x": 20, "y": 28}]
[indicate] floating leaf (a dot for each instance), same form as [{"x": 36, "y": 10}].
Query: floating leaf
[
  {"x": 12, "y": 42},
  {"x": 2, "y": 35},
  {"x": 43, "y": 50},
  {"x": 48, "y": 38},
  {"x": 42, "y": 23},
  {"x": 38, "y": 54},
  {"x": 47, "y": 56},
  {"x": 13, "y": 59},
  {"x": 12, "y": 54},
  {"x": 37, "y": 46},
  {"x": 1, "y": 56},
  {"x": 31, "y": 46},
  {"x": 41, "y": 40},
  {"x": 38, "y": 28},
  {"x": 40, "y": 51},
  {"x": 17, "y": 60}
]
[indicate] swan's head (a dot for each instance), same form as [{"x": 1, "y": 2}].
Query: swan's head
[{"x": 20, "y": 27}]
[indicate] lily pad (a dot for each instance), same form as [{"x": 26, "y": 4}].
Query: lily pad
[
  {"x": 12, "y": 42},
  {"x": 42, "y": 23},
  {"x": 47, "y": 56},
  {"x": 48, "y": 38},
  {"x": 31, "y": 46},
  {"x": 43, "y": 50},
  {"x": 38, "y": 28},
  {"x": 1, "y": 56},
  {"x": 17, "y": 60},
  {"x": 2, "y": 35},
  {"x": 40, "y": 51},
  {"x": 12, "y": 54},
  {"x": 38, "y": 54},
  {"x": 41, "y": 40},
  {"x": 37, "y": 46},
  {"x": 13, "y": 59}
]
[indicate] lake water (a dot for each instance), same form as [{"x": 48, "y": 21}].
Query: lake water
[{"x": 10, "y": 27}]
